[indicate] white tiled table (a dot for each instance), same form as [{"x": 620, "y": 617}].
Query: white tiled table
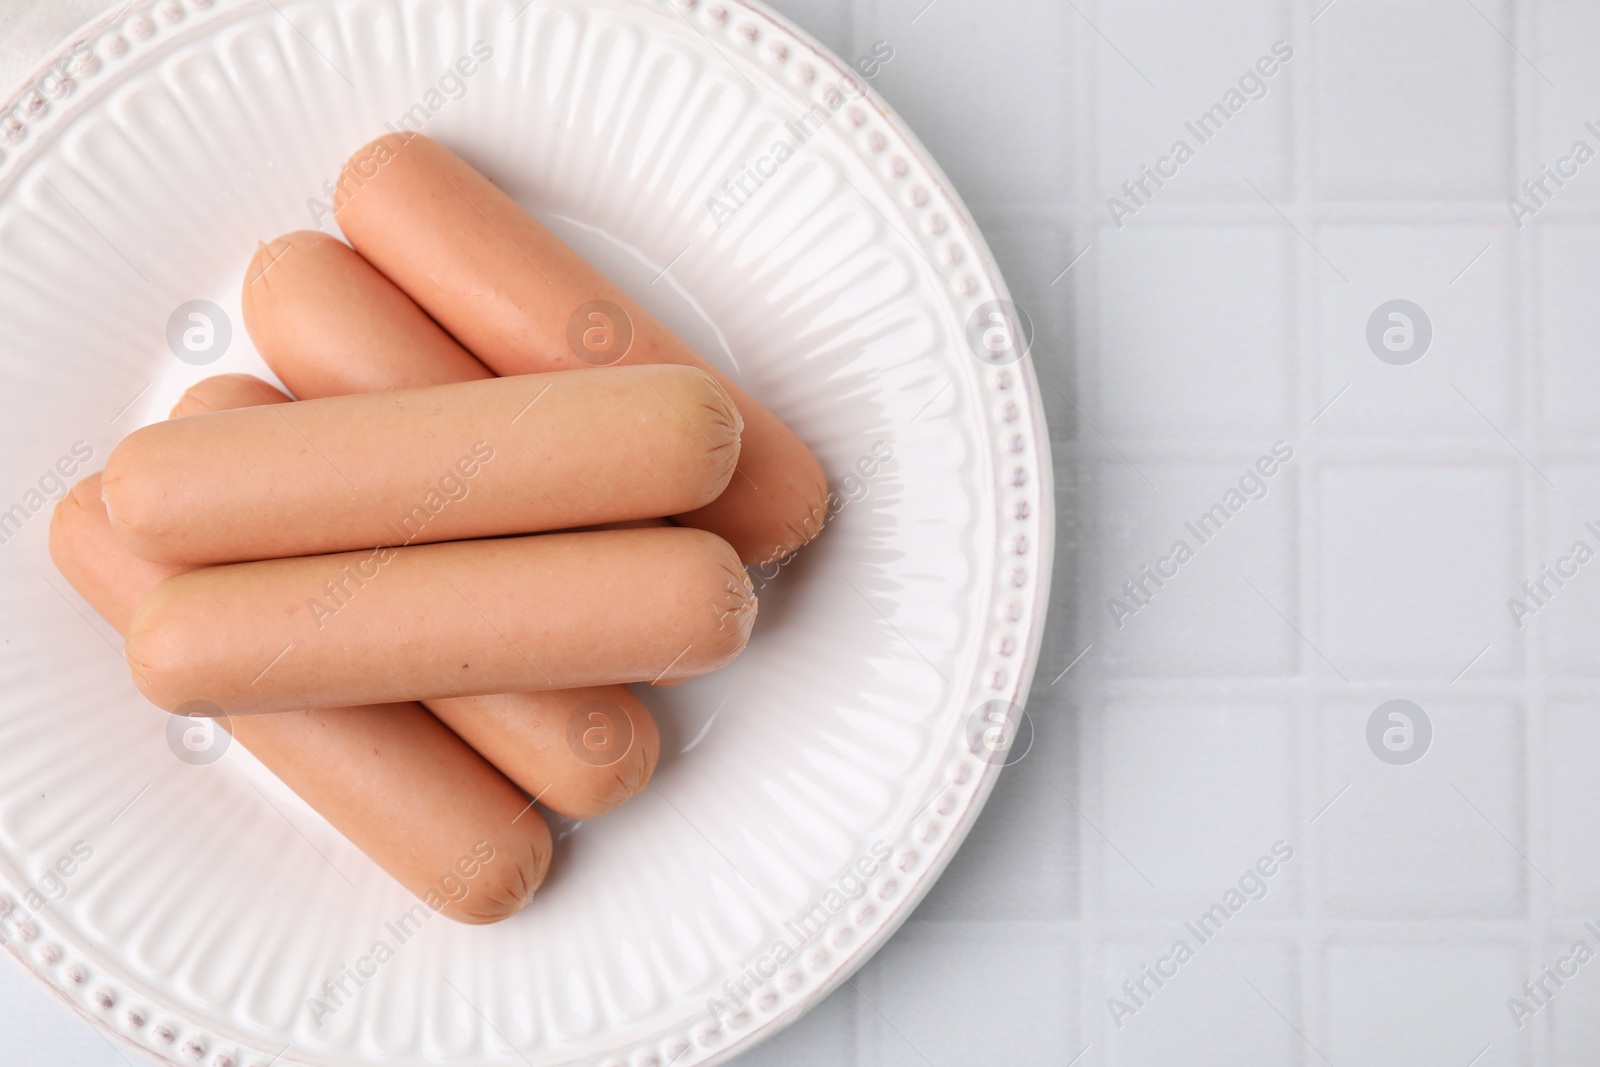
[{"x": 1227, "y": 313}]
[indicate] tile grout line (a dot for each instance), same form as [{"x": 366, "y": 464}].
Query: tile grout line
[
  {"x": 1309, "y": 993},
  {"x": 1537, "y": 505},
  {"x": 1083, "y": 286}
]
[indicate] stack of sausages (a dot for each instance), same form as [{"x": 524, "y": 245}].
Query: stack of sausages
[{"x": 419, "y": 591}]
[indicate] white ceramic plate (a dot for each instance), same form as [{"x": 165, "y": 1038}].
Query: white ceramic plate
[{"x": 139, "y": 170}]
